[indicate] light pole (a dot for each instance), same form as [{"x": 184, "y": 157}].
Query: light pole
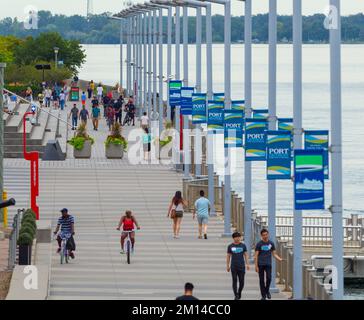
[
  {"x": 2, "y": 71},
  {"x": 336, "y": 150},
  {"x": 56, "y": 50},
  {"x": 227, "y": 80},
  {"x": 297, "y": 141},
  {"x": 248, "y": 111},
  {"x": 121, "y": 49}
]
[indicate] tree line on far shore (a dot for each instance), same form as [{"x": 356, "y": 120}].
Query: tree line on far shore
[{"x": 99, "y": 29}]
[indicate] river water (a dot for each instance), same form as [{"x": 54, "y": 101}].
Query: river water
[{"x": 103, "y": 65}]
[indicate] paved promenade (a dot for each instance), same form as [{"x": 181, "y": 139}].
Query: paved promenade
[{"x": 97, "y": 192}]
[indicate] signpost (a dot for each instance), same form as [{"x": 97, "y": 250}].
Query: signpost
[
  {"x": 309, "y": 180},
  {"x": 75, "y": 94},
  {"x": 278, "y": 155}
]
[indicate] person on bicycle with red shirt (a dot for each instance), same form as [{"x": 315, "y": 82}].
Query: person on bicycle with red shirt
[{"x": 127, "y": 221}]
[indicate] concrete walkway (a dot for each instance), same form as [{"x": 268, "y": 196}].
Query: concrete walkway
[{"x": 97, "y": 192}]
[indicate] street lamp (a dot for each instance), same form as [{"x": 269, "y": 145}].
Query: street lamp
[{"x": 56, "y": 50}]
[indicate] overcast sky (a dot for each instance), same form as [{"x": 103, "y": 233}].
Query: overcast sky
[{"x": 16, "y": 8}]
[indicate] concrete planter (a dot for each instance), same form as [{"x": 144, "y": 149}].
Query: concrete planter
[
  {"x": 114, "y": 151},
  {"x": 85, "y": 153}
]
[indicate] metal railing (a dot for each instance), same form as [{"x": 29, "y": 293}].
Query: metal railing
[{"x": 13, "y": 239}]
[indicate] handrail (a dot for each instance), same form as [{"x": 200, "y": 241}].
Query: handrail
[{"x": 41, "y": 109}]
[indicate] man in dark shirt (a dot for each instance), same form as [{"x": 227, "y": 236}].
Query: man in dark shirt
[
  {"x": 118, "y": 110},
  {"x": 236, "y": 260},
  {"x": 188, "y": 293},
  {"x": 84, "y": 115},
  {"x": 264, "y": 251},
  {"x": 74, "y": 114}
]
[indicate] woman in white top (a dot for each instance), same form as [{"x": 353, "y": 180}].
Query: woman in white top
[
  {"x": 144, "y": 120},
  {"x": 175, "y": 211}
]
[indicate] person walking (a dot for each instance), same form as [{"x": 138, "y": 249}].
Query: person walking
[
  {"x": 74, "y": 115},
  {"x": 100, "y": 91},
  {"x": 89, "y": 91},
  {"x": 83, "y": 98},
  {"x": 48, "y": 96},
  {"x": 144, "y": 120},
  {"x": 188, "y": 295},
  {"x": 146, "y": 144},
  {"x": 84, "y": 115},
  {"x": 62, "y": 100},
  {"x": 264, "y": 250},
  {"x": 237, "y": 260},
  {"x": 41, "y": 99},
  {"x": 92, "y": 86},
  {"x": 95, "y": 117},
  {"x": 118, "y": 110},
  {"x": 175, "y": 212},
  {"x": 110, "y": 116},
  {"x": 29, "y": 94},
  {"x": 202, "y": 207}
]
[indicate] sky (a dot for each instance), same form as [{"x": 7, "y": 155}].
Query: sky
[{"x": 16, "y": 8}]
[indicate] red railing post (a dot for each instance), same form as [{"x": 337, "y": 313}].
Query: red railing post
[{"x": 33, "y": 157}]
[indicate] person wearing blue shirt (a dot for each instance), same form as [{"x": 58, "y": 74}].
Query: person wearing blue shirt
[
  {"x": 264, "y": 250},
  {"x": 202, "y": 208}
]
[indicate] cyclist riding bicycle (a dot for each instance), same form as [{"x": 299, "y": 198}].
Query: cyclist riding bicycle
[
  {"x": 127, "y": 221},
  {"x": 67, "y": 225},
  {"x": 130, "y": 111}
]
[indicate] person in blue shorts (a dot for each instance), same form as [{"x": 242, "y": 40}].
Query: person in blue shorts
[{"x": 202, "y": 208}]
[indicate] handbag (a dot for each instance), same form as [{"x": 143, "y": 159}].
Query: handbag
[{"x": 173, "y": 213}]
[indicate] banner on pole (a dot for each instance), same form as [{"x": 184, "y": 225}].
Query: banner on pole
[
  {"x": 186, "y": 100},
  {"x": 309, "y": 192},
  {"x": 260, "y": 113},
  {"x": 219, "y": 97},
  {"x": 175, "y": 92},
  {"x": 233, "y": 128},
  {"x": 278, "y": 155},
  {"x": 199, "y": 108},
  {"x": 317, "y": 140},
  {"x": 255, "y": 139},
  {"x": 215, "y": 120},
  {"x": 285, "y": 124}
]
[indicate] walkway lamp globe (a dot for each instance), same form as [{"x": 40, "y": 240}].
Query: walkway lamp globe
[{"x": 56, "y": 50}]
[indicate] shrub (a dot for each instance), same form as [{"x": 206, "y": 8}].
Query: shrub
[
  {"x": 29, "y": 213},
  {"x": 78, "y": 141},
  {"x": 28, "y": 228},
  {"x": 116, "y": 137},
  {"x": 25, "y": 239}
]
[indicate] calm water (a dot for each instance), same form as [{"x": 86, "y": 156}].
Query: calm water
[{"x": 103, "y": 65}]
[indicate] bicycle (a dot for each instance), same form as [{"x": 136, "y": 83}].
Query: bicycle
[
  {"x": 128, "y": 245},
  {"x": 127, "y": 120},
  {"x": 64, "y": 254}
]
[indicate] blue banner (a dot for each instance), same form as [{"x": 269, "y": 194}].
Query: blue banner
[
  {"x": 175, "y": 92},
  {"x": 233, "y": 128},
  {"x": 255, "y": 139},
  {"x": 199, "y": 108},
  {"x": 278, "y": 155},
  {"x": 215, "y": 120},
  {"x": 219, "y": 97},
  {"x": 285, "y": 124},
  {"x": 317, "y": 140},
  {"x": 309, "y": 187},
  {"x": 260, "y": 113},
  {"x": 186, "y": 100}
]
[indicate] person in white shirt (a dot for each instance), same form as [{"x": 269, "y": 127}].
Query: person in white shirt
[
  {"x": 48, "y": 97},
  {"x": 100, "y": 90},
  {"x": 62, "y": 99},
  {"x": 144, "y": 121}
]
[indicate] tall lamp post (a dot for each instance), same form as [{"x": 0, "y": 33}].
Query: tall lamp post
[
  {"x": 2, "y": 71},
  {"x": 227, "y": 81},
  {"x": 56, "y": 50}
]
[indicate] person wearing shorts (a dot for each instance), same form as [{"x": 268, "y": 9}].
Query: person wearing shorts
[
  {"x": 202, "y": 208},
  {"x": 175, "y": 211}
]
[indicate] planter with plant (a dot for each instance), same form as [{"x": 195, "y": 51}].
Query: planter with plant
[
  {"x": 115, "y": 144},
  {"x": 27, "y": 234},
  {"x": 82, "y": 143}
]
